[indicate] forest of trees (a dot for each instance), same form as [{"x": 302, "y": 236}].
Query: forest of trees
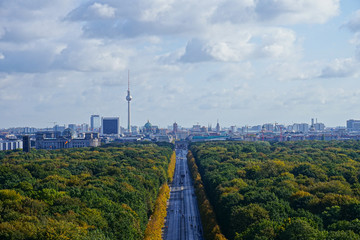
[
  {"x": 87, "y": 193},
  {"x": 283, "y": 191}
]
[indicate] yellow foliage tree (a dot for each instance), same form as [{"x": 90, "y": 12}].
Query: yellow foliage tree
[
  {"x": 171, "y": 168},
  {"x": 207, "y": 214},
  {"x": 156, "y": 222}
]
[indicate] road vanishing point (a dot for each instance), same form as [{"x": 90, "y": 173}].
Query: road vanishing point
[{"x": 183, "y": 217}]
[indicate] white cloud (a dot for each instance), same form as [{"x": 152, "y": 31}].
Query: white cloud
[
  {"x": 158, "y": 17},
  {"x": 292, "y": 70},
  {"x": 92, "y": 55},
  {"x": 341, "y": 68},
  {"x": 282, "y": 12},
  {"x": 238, "y": 12},
  {"x": 65, "y": 56},
  {"x": 354, "y": 22},
  {"x": 354, "y": 25},
  {"x": 154, "y": 10},
  {"x": 300, "y": 11},
  {"x": 103, "y": 10},
  {"x": 246, "y": 44},
  {"x": 279, "y": 42},
  {"x": 196, "y": 51},
  {"x": 23, "y": 21}
]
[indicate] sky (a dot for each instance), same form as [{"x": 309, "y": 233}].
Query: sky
[{"x": 239, "y": 62}]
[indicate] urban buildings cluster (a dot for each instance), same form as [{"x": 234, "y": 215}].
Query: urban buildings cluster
[{"x": 108, "y": 129}]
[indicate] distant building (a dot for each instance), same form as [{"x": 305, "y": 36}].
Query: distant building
[
  {"x": 73, "y": 127},
  {"x": 163, "y": 131},
  {"x": 300, "y": 127},
  {"x": 319, "y": 127},
  {"x": 110, "y": 125},
  {"x": 163, "y": 138},
  {"x": 279, "y": 128},
  {"x": 353, "y": 125},
  {"x": 207, "y": 138},
  {"x": 49, "y": 140},
  {"x": 26, "y": 143},
  {"x": 10, "y": 144},
  {"x": 269, "y": 127},
  {"x": 58, "y": 128},
  {"x": 175, "y": 127},
  {"x": 251, "y": 129},
  {"x": 84, "y": 127},
  {"x": 196, "y": 128},
  {"x": 181, "y": 134},
  {"x": 149, "y": 128},
  {"x": 304, "y": 127},
  {"x": 134, "y": 130},
  {"x": 25, "y": 130},
  {"x": 218, "y": 127},
  {"x": 204, "y": 129},
  {"x": 95, "y": 123}
]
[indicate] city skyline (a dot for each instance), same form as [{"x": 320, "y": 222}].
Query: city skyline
[
  {"x": 215, "y": 127},
  {"x": 242, "y": 62}
]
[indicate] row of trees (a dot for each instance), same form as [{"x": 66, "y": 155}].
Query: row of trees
[
  {"x": 208, "y": 218},
  {"x": 157, "y": 220},
  {"x": 88, "y": 193},
  {"x": 291, "y": 190}
]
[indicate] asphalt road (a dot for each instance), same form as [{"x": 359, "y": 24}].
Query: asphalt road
[{"x": 183, "y": 218}]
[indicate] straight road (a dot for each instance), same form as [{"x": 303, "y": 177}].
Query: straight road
[{"x": 183, "y": 218}]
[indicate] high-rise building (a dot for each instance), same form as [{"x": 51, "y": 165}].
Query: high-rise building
[
  {"x": 312, "y": 127},
  {"x": 218, "y": 127},
  {"x": 95, "y": 123},
  {"x": 84, "y": 127},
  {"x": 353, "y": 125},
  {"x": 319, "y": 127},
  {"x": 300, "y": 127},
  {"x": 269, "y": 127},
  {"x": 110, "y": 125},
  {"x": 26, "y": 143},
  {"x": 73, "y": 127},
  {"x": 175, "y": 127}
]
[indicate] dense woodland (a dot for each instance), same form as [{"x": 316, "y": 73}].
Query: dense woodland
[
  {"x": 87, "y": 193},
  {"x": 283, "y": 191}
]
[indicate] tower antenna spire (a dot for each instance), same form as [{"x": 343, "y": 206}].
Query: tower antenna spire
[{"x": 128, "y": 99}]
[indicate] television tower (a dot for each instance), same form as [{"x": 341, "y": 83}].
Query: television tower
[{"x": 128, "y": 99}]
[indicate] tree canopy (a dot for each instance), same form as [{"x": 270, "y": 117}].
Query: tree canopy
[
  {"x": 285, "y": 190},
  {"x": 86, "y": 193}
]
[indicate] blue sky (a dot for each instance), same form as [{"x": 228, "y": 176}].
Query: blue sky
[{"x": 244, "y": 62}]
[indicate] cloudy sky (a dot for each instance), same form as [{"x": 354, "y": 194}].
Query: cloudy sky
[{"x": 244, "y": 62}]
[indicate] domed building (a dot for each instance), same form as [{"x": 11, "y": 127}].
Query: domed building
[
  {"x": 149, "y": 128},
  {"x": 69, "y": 133}
]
